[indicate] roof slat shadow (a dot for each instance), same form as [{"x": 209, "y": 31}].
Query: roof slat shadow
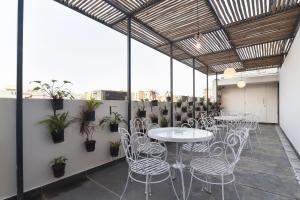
[
  {"x": 230, "y": 11},
  {"x": 211, "y": 42},
  {"x": 274, "y": 48},
  {"x": 175, "y": 19},
  {"x": 254, "y": 33},
  {"x": 274, "y": 27}
]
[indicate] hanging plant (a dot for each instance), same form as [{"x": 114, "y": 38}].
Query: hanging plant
[
  {"x": 164, "y": 122},
  {"x": 91, "y": 106},
  {"x": 164, "y": 110},
  {"x": 154, "y": 118},
  {"x": 58, "y": 166},
  {"x": 87, "y": 129},
  {"x": 153, "y": 96},
  {"x": 114, "y": 148},
  {"x": 56, "y": 92},
  {"x": 141, "y": 112},
  {"x": 112, "y": 121}
]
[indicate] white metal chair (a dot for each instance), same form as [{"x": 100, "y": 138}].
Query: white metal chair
[
  {"x": 139, "y": 125},
  {"x": 148, "y": 168},
  {"x": 221, "y": 162}
]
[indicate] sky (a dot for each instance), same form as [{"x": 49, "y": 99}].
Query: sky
[{"x": 64, "y": 45}]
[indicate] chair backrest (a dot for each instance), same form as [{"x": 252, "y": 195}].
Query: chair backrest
[
  {"x": 229, "y": 151},
  {"x": 139, "y": 125},
  {"x": 125, "y": 138},
  {"x": 193, "y": 122}
]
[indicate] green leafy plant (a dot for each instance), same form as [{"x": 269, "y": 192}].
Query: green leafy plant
[
  {"x": 154, "y": 118},
  {"x": 57, "y": 122},
  {"x": 92, "y": 104},
  {"x": 141, "y": 105},
  {"x": 153, "y": 94},
  {"x": 53, "y": 90},
  {"x": 164, "y": 122},
  {"x": 164, "y": 110},
  {"x": 201, "y": 101},
  {"x": 87, "y": 128},
  {"x": 114, "y": 118},
  {"x": 115, "y": 144},
  {"x": 59, "y": 160}
]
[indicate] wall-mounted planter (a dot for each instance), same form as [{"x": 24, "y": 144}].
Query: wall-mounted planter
[
  {"x": 178, "y": 104},
  {"x": 189, "y": 114},
  {"x": 154, "y": 103},
  {"x": 58, "y": 170},
  {"x": 191, "y": 103},
  {"x": 57, "y": 104},
  {"x": 197, "y": 108},
  {"x": 114, "y": 127},
  {"x": 90, "y": 115},
  {"x": 164, "y": 112},
  {"x": 114, "y": 151},
  {"x": 154, "y": 120},
  {"x": 169, "y": 99},
  {"x": 90, "y": 145},
  {"x": 184, "y": 109},
  {"x": 58, "y": 136},
  {"x": 178, "y": 117},
  {"x": 141, "y": 113}
]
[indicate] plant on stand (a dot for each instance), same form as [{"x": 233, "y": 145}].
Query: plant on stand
[
  {"x": 141, "y": 112},
  {"x": 56, "y": 124},
  {"x": 58, "y": 166},
  {"x": 114, "y": 148},
  {"x": 91, "y": 106},
  {"x": 56, "y": 92},
  {"x": 87, "y": 129},
  {"x": 154, "y": 118},
  {"x": 153, "y": 96},
  {"x": 112, "y": 121}
]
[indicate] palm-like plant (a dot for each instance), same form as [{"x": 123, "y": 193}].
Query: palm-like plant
[
  {"x": 92, "y": 104},
  {"x": 113, "y": 121},
  {"x": 53, "y": 90}
]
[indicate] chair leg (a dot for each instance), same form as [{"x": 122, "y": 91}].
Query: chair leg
[
  {"x": 171, "y": 179},
  {"x": 222, "y": 187},
  {"x": 146, "y": 185},
  {"x": 191, "y": 183},
  {"x": 125, "y": 186},
  {"x": 237, "y": 193}
]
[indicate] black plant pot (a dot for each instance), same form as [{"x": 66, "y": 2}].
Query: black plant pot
[
  {"x": 184, "y": 122},
  {"x": 143, "y": 130},
  {"x": 163, "y": 125},
  {"x": 169, "y": 99},
  {"x": 58, "y": 170},
  {"x": 90, "y": 145},
  {"x": 142, "y": 113},
  {"x": 198, "y": 108},
  {"x": 57, "y": 104},
  {"x": 154, "y": 103},
  {"x": 90, "y": 116},
  {"x": 184, "y": 109},
  {"x": 58, "y": 136},
  {"x": 154, "y": 120},
  {"x": 189, "y": 114},
  {"x": 114, "y": 127},
  {"x": 178, "y": 104},
  {"x": 191, "y": 103},
  {"x": 164, "y": 112},
  {"x": 178, "y": 117},
  {"x": 114, "y": 151}
]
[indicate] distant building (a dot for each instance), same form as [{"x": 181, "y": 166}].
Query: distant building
[{"x": 105, "y": 95}]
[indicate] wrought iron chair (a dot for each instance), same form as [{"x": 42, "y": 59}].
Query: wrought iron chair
[
  {"x": 221, "y": 162},
  {"x": 147, "y": 168}
]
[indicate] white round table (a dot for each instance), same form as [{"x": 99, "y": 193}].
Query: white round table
[
  {"x": 229, "y": 118},
  {"x": 180, "y": 136}
]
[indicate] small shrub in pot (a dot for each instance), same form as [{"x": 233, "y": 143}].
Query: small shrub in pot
[
  {"x": 153, "y": 96},
  {"x": 87, "y": 129},
  {"x": 154, "y": 118},
  {"x": 114, "y": 148},
  {"x": 164, "y": 122},
  {"x": 178, "y": 103},
  {"x": 164, "y": 110},
  {"x": 141, "y": 112},
  {"x": 178, "y": 116},
  {"x": 56, "y": 124},
  {"x": 91, "y": 106},
  {"x": 184, "y": 109},
  {"x": 112, "y": 121},
  {"x": 58, "y": 166}
]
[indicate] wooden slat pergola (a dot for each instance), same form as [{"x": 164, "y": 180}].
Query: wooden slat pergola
[{"x": 244, "y": 34}]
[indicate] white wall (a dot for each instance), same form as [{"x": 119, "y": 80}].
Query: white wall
[
  {"x": 39, "y": 149},
  {"x": 289, "y": 91},
  {"x": 260, "y": 99}
]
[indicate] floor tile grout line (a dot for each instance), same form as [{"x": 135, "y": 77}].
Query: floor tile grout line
[{"x": 102, "y": 186}]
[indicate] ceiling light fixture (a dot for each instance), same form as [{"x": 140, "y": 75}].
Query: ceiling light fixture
[
  {"x": 229, "y": 71},
  {"x": 198, "y": 36},
  {"x": 241, "y": 84}
]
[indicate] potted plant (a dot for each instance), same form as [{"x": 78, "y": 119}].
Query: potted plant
[
  {"x": 57, "y": 93},
  {"x": 178, "y": 103},
  {"x": 56, "y": 124},
  {"x": 141, "y": 113},
  {"x": 184, "y": 109},
  {"x": 190, "y": 114},
  {"x": 178, "y": 116},
  {"x": 58, "y": 166},
  {"x": 164, "y": 110},
  {"x": 184, "y": 120},
  {"x": 164, "y": 122},
  {"x": 112, "y": 121},
  {"x": 114, "y": 148},
  {"x": 153, "y": 95},
  {"x": 198, "y": 108},
  {"x": 91, "y": 106},
  {"x": 201, "y": 101},
  {"x": 154, "y": 118},
  {"x": 87, "y": 129},
  {"x": 168, "y": 96},
  {"x": 184, "y": 98}
]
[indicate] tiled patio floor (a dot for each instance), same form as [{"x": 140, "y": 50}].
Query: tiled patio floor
[{"x": 264, "y": 174}]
